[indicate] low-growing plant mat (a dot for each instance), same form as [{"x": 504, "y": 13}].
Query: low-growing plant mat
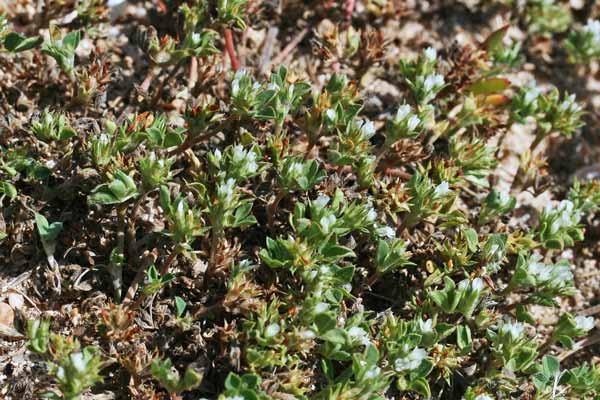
[{"x": 245, "y": 199}]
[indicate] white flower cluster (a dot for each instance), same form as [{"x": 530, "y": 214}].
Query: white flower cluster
[
  {"x": 531, "y": 96},
  {"x": 245, "y": 159},
  {"x": 425, "y": 326},
  {"x": 593, "y": 27},
  {"x": 569, "y": 105},
  {"x": 433, "y": 83},
  {"x": 442, "y": 190},
  {"x": 367, "y": 128},
  {"x": 321, "y": 201},
  {"x": 405, "y": 118},
  {"x": 475, "y": 285},
  {"x": 584, "y": 323},
  {"x": 430, "y": 54},
  {"x": 503, "y": 198},
  {"x": 555, "y": 276},
  {"x": 358, "y": 334},
  {"x": 327, "y": 222},
  {"x": 513, "y": 330},
  {"x": 411, "y": 361},
  {"x": 240, "y": 76},
  {"x": 225, "y": 192},
  {"x": 483, "y": 396},
  {"x": 566, "y": 216}
]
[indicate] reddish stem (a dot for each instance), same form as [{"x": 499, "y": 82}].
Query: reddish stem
[{"x": 230, "y": 47}]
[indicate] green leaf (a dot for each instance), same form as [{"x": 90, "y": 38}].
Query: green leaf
[
  {"x": 180, "y": 305},
  {"x": 71, "y": 40},
  {"x": 489, "y": 86},
  {"x": 524, "y": 316},
  {"x": 472, "y": 239},
  {"x": 550, "y": 366},
  {"x": 463, "y": 338},
  {"x": 8, "y": 189},
  {"x": 335, "y": 336},
  {"x": 15, "y": 42},
  {"x": 325, "y": 322},
  {"x": 48, "y": 233},
  {"x": 336, "y": 252},
  {"x": 494, "y": 41},
  {"x": 420, "y": 386}
]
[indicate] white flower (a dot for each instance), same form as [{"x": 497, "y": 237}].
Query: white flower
[
  {"x": 514, "y": 330},
  {"x": 593, "y": 27},
  {"x": 367, "y": 128},
  {"x": 386, "y": 232},
  {"x": 327, "y": 222},
  {"x": 272, "y": 330},
  {"x": 331, "y": 114},
  {"x": 565, "y": 213},
  {"x": 321, "y": 201},
  {"x": 433, "y": 82},
  {"x": 251, "y": 166},
  {"x": 569, "y": 104},
  {"x": 483, "y": 397},
  {"x": 238, "y": 153},
  {"x": 347, "y": 287},
  {"x": 426, "y": 325},
  {"x": 235, "y": 87},
  {"x": 296, "y": 169},
  {"x": 411, "y": 361},
  {"x": 442, "y": 189},
  {"x": 358, "y": 334},
  {"x": 413, "y": 122},
  {"x": 307, "y": 334},
  {"x": 584, "y": 323},
  {"x": 430, "y": 54},
  {"x": 180, "y": 209},
  {"x": 373, "y": 372},
  {"x": 233, "y": 398},
  {"x": 504, "y": 197},
  {"x": 218, "y": 155},
  {"x": 531, "y": 96},
  {"x": 324, "y": 270},
  {"x": 196, "y": 38},
  {"x": 371, "y": 214},
  {"x": 225, "y": 191},
  {"x": 403, "y": 112},
  {"x": 60, "y": 374},
  {"x": 492, "y": 253},
  {"x": 477, "y": 284},
  {"x": 321, "y": 307},
  {"x": 78, "y": 361},
  {"x": 104, "y": 139},
  {"x": 114, "y": 3}
]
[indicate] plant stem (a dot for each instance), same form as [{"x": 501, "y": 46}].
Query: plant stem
[
  {"x": 372, "y": 279},
  {"x": 116, "y": 271},
  {"x": 272, "y": 208},
  {"x": 517, "y": 178},
  {"x": 193, "y": 140},
  {"x": 215, "y": 238},
  {"x": 230, "y": 47},
  {"x": 164, "y": 269},
  {"x": 131, "y": 228},
  {"x": 139, "y": 277}
]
